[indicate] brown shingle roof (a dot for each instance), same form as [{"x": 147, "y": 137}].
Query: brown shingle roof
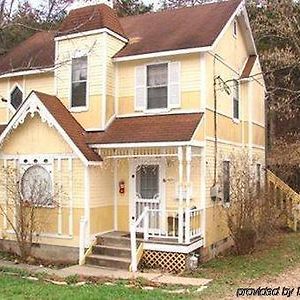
[
  {"x": 181, "y": 28},
  {"x": 69, "y": 124},
  {"x": 34, "y": 53},
  {"x": 249, "y": 66},
  {"x": 90, "y": 18},
  {"x": 157, "y": 128},
  {"x": 175, "y": 29}
]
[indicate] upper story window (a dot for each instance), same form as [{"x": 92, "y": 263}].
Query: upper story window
[
  {"x": 236, "y": 99},
  {"x": 234, "y": 30},
  {"x": 79, "y": 82},
  {"x": 157, "y": 86},
  {"x": 16, "y": 97}
]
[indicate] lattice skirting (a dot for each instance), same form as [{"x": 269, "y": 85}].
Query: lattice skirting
[{"x": 167, "y": 261}]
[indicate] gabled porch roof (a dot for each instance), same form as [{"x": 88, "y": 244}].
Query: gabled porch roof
[{"x": 147, "y": 129}]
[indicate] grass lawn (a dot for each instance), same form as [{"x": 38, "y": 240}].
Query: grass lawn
[
  {"x": 230, "y": 272},
  {"x": 13, "y": 287}
]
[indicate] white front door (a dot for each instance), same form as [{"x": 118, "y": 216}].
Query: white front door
[{"x": 148, "y": 192}]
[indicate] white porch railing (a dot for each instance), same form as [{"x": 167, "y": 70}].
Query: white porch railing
[{"x": 178, "y": 226}]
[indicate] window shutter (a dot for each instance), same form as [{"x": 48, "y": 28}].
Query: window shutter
[
  {"x": 174, "y": 85},
  {"x": 140, "y": 88}
]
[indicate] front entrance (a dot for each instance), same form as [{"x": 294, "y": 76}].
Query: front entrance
[{"x": 149, "y": 191}]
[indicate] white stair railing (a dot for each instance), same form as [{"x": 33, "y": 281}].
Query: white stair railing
[{"x": 142, "y": 219}]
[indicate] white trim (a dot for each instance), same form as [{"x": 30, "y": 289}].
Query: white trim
[
  {"x": 87, "y": 201},
  {"x": 70, "y": 167},
  {"x": 174, "y": 111},
  {"x": 173, "y": 247},
  {"x": 51, "y": 156},
  {"x": 34, "y": 105},
  {"x": 104, "y": 80},
  {"x": 150, "y": 144},
  {"x": 203, "y": 193},
  {"x": 90, "y": 32},
  {"x": 46, "y": 235},
  {"x": 210, "y": 139},
  {"x": 116, "y": 188},
  {"x": 59, "y": 215},
  {"x": 203, "y": 81},
  {"x": 28, "y": 72},
  {"x": 162, "y": 53}
]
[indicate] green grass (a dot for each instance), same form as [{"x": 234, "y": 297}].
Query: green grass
[
  {"x": 15, "y": 287},
  {"x": 231, "y": 272}
]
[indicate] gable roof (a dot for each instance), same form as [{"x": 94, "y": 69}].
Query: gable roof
[
  {"x": 34, "y": 53},
  {"x": 91, "y": 18},
  {"x": 69, "y": 124},
  {"x": 54, "y": 112},
  {"x": 176, "y": 29},
  {"x": 156, "y": 128},
  {"x": 182, "y": 28}
]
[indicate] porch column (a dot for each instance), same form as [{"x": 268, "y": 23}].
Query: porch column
[
  {"x": 188, "y": 193},
  {"x": 180, "y": 209}
]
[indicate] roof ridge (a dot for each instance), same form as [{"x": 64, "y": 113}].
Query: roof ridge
[{"x": 165, "y": 11}]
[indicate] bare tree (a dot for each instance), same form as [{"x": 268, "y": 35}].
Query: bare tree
[
  {"x": 251, "y": 211},
  {"x": 27, "y": 198},
  {"x": 171, "y": 4}
]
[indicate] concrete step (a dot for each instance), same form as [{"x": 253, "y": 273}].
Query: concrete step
[
  {"x": 113, "y": 241},
  {"x": 108, "y": 261},
  {"x": 123, "y": 252}
]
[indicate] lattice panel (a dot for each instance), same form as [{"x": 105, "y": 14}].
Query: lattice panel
[{"x": 167, "y": 261}]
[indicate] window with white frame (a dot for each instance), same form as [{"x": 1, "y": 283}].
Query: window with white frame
[
  {"x": 236, "y": 99},
  {"x": 234, "y": 30},
  {"x": 36, "y": 186},
  {"x": 16, "y": 97},
  {"x": 226, "y": 181},
  {"x": 157, "y": 86},
  {"x": 79, "y": 82}
]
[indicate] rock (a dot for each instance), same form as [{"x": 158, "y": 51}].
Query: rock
[
  {"x": 148, "y": 288},
  {"x": 108, "y": 283},
  {"x": 201, "y": 289},
  {"x": 31, "y": 278},
  {"x": 80, "y": 283},
  {"x": 181, "y": 291},
  {"x": 56, "y": 282},
  {"x": 30, "y": 260},
  {"x": 16, "y": 262}
]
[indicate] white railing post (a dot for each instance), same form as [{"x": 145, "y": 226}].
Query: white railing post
[
  {"x": 82, "y": 239},
  {"x": 180, "y": 210},
  {"x": 187, "y": 225},
  {"x": 133, "y": 245},
  {"x": 146, "y": 224}
]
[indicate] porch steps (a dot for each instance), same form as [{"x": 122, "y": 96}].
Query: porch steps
[{"x": 112, "y": 250}]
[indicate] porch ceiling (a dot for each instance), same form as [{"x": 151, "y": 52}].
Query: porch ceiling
[{"x": 147, "y": 129}]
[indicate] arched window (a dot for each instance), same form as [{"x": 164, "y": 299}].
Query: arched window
[
  {"x": 36, "y": 186},
  {"x": 16, "y": 97}
]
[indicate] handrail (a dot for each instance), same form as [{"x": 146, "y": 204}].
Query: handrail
[
  {"x": 133, "y": 226},
  {"x": 277, "y": 181}
]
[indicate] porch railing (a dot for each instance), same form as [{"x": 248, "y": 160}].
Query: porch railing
[{"x": 179, "y": 226}]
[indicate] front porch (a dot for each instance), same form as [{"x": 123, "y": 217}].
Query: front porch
[{"x": 159, "y": 198}]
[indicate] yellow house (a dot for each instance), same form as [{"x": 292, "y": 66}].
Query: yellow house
[{"x": 130, "y": 118}]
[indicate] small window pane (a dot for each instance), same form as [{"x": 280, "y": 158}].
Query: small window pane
[
  {"x": 79, "y": 81},
  {"x": 157, "y": 75},
  {"x": 16, "y": 98},
  {"x": 157, "y": 98},
  {"x": 78, "y": 94},
  {"x": 235, "y": 92},
  {"x": 147, "y": 181},
  {"x": 226, "y": 181}
]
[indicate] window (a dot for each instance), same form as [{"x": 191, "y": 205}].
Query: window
[
  {"x": 157, "y": 86},
  {"x": 147, "y": 181},
  {"x": 36, "y": 186},
  {"x": 16, "y": 98},
  {"x": 258, "y": 177},
  {"x": 226, "y": 181},
  {"x": 234, "y": 32},
  {"x": 235, "y": 99},
  {"x": 79, "y": 81}
]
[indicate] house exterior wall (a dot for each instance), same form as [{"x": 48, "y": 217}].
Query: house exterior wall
[{"x": 36, "y": 140}]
